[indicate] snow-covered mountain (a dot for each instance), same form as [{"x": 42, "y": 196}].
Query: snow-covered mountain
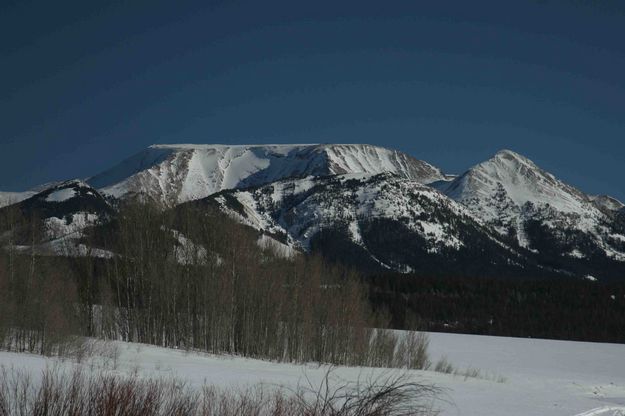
[
  {"x": 172, "y": 174},
  {"x": 524, "y": 202},
  {"x": 382, "y": 221},
  {"x": 368, "y": 206},
  {"x": 63, "y": 211}
]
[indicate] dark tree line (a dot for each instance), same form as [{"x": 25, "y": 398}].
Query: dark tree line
[{"x": 571, "y": 309}]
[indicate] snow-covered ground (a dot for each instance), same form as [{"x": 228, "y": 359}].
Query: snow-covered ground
[
  {"x": 521, "y": 377},
  {"x": 543, "y": 377}
]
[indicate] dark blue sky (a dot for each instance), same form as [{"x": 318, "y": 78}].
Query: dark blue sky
[{"x": 85, "y": 86}]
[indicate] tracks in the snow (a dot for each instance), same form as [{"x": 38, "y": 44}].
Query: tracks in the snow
[{"x": 605, "y": 411}]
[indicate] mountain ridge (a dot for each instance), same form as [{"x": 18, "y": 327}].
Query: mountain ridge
[
  {"x": 365, "y": 215},
  {"x": 362, "y": 200},
  {"x": 172, "y": 174}
]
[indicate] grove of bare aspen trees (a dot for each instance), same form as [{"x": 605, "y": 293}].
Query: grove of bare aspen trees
[{"x": 188, "y": 278}]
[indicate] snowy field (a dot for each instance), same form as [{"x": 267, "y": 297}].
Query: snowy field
[{"x": 518, "y": 377}]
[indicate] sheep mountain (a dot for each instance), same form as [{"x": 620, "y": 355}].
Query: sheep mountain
[{"x": 373, "y": 208}]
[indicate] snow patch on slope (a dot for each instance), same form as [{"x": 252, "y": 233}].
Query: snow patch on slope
[
  {"x": 186, "y": 252},
  {"x": 61, "y": 195},
  {"x": 279, "y": 249},
  {"x": 58, "y": 227}
]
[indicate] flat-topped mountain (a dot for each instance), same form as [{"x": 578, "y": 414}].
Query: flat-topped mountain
[{"x": 172, "y": 174}]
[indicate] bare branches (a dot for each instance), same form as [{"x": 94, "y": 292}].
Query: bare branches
[
  {"x": 380, "y": 394},
  {"x": 61, "y": 393}
]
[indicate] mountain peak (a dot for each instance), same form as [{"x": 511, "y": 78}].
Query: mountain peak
[
  {"x": 509, "y": 153},
  {"x": 79, "y": 183},
  {"x": 517, "y": 198},
  {"x": 512, "y": 156},
  {"x": 518, "y": 180}
]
